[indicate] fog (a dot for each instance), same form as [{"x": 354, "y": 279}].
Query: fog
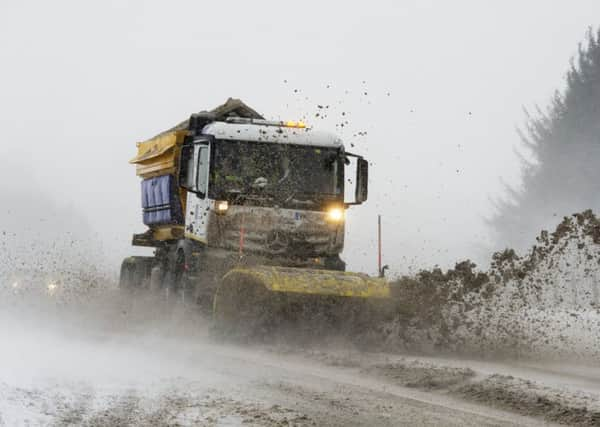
[
  {"x": 438, "y": 86},
  {"x": 66, "y": 361}
]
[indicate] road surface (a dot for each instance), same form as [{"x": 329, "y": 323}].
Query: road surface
[{"x": 99, "y": 365}]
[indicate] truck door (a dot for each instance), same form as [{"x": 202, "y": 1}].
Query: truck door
[{"x": 194, "y": 173}]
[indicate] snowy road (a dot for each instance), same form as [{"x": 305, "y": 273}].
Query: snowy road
[{"x": 99, "y": 367}]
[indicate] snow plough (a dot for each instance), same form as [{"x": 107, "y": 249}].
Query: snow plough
[{"x": 246, "y": 218}]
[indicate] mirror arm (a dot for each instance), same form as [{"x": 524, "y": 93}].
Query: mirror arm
[{"x": 347, "y": 153}]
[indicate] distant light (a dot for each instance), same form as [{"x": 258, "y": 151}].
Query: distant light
[
  {"x": 15, "y": 285},
  {"x": 222, "y": 206},
  {"x": 52, "y": 287}
]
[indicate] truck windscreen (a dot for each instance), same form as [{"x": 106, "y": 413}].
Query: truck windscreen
[{"x": 288, "y": 173}]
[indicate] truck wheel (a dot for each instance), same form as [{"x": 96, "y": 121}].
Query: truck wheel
[
  {"x": 156, "y": 278},
  {"x": 135, "y": 272},
  {"x": 127, "y": 275},
  {"x": 176, "y": 276},
  {"x": 335, "y": 263}
]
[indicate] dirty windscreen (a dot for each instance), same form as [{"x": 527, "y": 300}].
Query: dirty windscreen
[{"x": 282, "y": 171}]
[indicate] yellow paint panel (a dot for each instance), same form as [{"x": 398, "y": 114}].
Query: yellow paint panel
[
  {"x": 315, "y": 282},
  {"x": 167, "y": 233},
  {"x": 159, "y": 155}
]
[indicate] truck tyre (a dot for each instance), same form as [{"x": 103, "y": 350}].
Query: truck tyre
[
  {"x": 176, "y": 275},
  {"x": 135, "y": 272},
  {"x": 126, "y": 276},
  {"x": 335, "y": 263},
  {"x": 156, "y": 278}
]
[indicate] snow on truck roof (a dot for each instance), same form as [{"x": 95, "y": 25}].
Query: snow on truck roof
[
  {"x": 280, "y": 134},
  {"x": 236, "y": 120}
]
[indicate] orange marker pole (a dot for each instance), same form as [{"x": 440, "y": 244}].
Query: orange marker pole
[
  {"x": 379, "y": 244},
  {"x": 242, "y": 231}
]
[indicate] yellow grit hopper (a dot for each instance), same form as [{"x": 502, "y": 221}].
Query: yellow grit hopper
[{"x": 159, "y": 155}]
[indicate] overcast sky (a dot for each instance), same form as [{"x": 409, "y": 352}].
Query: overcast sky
[{"x": 438, "y": 86}]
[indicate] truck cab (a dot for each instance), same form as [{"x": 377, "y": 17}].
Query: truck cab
[{"x": 267, "y": 188}]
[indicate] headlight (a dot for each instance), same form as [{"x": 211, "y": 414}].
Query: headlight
[
  {"x": 335, "y": 214},
  {"x": 52, "y": 287},
  {"x": 222, "y": 206}
]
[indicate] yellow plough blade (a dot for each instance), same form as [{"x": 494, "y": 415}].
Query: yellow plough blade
[
  {"x": 256, "y": 301},
  {"x": 310, "y": 281}
]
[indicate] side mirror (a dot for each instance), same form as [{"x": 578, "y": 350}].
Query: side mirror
[{"x": 362, "y": 181}]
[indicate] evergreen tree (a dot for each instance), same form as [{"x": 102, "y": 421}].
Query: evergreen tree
[{"x": 564, "y": 175}]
